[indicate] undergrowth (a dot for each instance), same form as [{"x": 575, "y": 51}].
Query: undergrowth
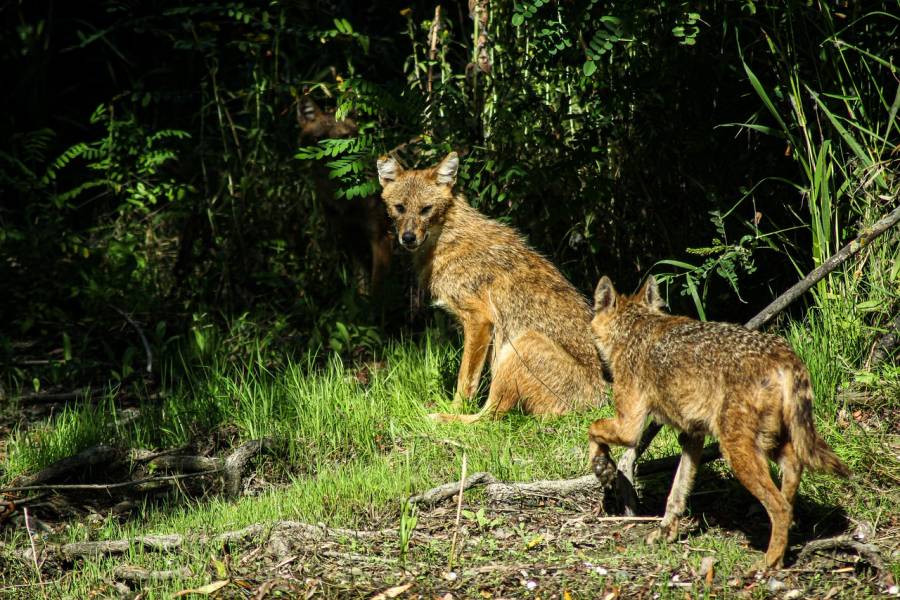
[{"x": 353, "y": 439}]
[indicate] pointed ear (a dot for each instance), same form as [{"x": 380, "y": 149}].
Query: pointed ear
[
  {"x": 388, "y": 170},
  {"x": 605, "y": 295},
  {"x": 308, "y": 110},
  {"x": 445, "y": 172},
  {"x": 649, "y": 294}
]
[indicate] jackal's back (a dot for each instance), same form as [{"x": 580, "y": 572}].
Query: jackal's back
[{"x": 480, "y": 263}]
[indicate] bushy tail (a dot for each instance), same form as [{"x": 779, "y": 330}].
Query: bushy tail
[{"x": 811, "y": 449}]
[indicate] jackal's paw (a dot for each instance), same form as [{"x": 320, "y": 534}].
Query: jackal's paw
[
  {"x": 663, "y": 532},
  {"x": 440, "y": 417},
  {"x": 757, "y": 570},
  {"x": 604, "y": 469}
]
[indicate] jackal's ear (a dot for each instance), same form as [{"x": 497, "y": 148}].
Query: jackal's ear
[
  {"x": 445, "y": 172},
  {"x": 388, "y": 170},
  {"x": 308, "y": 110},
  {"x": 649, "y": 294},
  {"x": 605, "y": 295}
]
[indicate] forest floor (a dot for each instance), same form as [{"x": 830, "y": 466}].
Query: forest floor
[{"x": 320, "y": 508}]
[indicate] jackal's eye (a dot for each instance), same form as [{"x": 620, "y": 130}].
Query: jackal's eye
[
  {"x": 425, "y": 210},
  {"x": 400, "y": 208}
]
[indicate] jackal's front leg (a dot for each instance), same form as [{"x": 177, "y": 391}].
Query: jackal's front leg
[
  {"x": 476, "y": 339},
  {"x": 624, "y": 430}
]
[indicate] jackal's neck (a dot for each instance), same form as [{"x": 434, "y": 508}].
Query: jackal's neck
[
  {"x": 632, "y": 327},
  {"x": 459, "y": 218}
]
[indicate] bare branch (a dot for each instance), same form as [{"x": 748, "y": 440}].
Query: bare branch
[{"x": 862, "y": 240}]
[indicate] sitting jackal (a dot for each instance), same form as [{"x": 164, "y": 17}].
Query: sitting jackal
[
  {"x": 504, "y": 294},
  {"x": 746, "y": 388}
]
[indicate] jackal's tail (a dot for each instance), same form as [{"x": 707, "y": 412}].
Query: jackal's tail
[{"x": 811, "y": 449}]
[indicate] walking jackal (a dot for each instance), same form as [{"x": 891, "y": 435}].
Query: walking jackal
[
  {"x": 503, "y": 293},
  {"x": 361, "y": 224},
  {"x": 746, "y": 388}
]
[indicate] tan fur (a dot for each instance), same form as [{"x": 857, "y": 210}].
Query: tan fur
[
  {"x": 746, "y": 388},
  {"x": 361, "y": 223},
  {"x": 505, "y": 295}
]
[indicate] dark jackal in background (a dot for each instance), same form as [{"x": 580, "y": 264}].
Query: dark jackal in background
[
  {"x": 360, "y": 225},
  {"x": 504, "y": 294},
  {"x": 746, "y": 388}
]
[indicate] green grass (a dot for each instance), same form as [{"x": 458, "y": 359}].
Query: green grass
[{"x": 348, "y": 453}]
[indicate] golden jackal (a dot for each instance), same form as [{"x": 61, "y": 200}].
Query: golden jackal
[
  {"x": 746, "y": 388},
  {"x": 361, "y": 224},
  {"x": 501, "y": 291}
]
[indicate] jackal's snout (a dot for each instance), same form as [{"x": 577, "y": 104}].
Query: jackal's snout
[{"x": 409, "y": 240}]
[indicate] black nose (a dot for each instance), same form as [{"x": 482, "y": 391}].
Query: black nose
[{"x": 408, "y": 237}]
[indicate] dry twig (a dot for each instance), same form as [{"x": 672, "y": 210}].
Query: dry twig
[
  {"x": 34, "y": 554},
  {"x": 462, "y": 480}
]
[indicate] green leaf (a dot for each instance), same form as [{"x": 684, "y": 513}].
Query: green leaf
[{"x": 589, "y": 68}]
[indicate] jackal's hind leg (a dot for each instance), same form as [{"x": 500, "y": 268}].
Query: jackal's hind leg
[
  {"x": 691, "y": 449},
  {"x": 751, "y": 467}
]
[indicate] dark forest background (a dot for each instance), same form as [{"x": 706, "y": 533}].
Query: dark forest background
[{"x": 153, "y": 181}]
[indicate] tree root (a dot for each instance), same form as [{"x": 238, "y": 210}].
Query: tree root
[
  {"x": 869, "y": 552},
  {"x": 93, "y": 456},
  {"x": 440, "y": 493},
  {"x": 232, "y": 467},
  {"x": 507, "y": 492},
  {"x": 498, "y": 491},
  {"x": 138, "y": 574},
  {"x": 281, "y": 537}
]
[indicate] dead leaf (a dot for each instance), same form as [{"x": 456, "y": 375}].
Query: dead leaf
[
  {"x": 567, "y": 595},
  {"x": 392, "y": 592},
  {"x": 203, "y": 590},
  {"x": 707, "y": 569},
  {"x": 221, "y": 569}
]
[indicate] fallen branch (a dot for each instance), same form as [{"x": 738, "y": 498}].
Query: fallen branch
[
  {"x": 54, "y": 396},
  {"x": 869, "y": 552},
  {"x": 864, "y": 238}
]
